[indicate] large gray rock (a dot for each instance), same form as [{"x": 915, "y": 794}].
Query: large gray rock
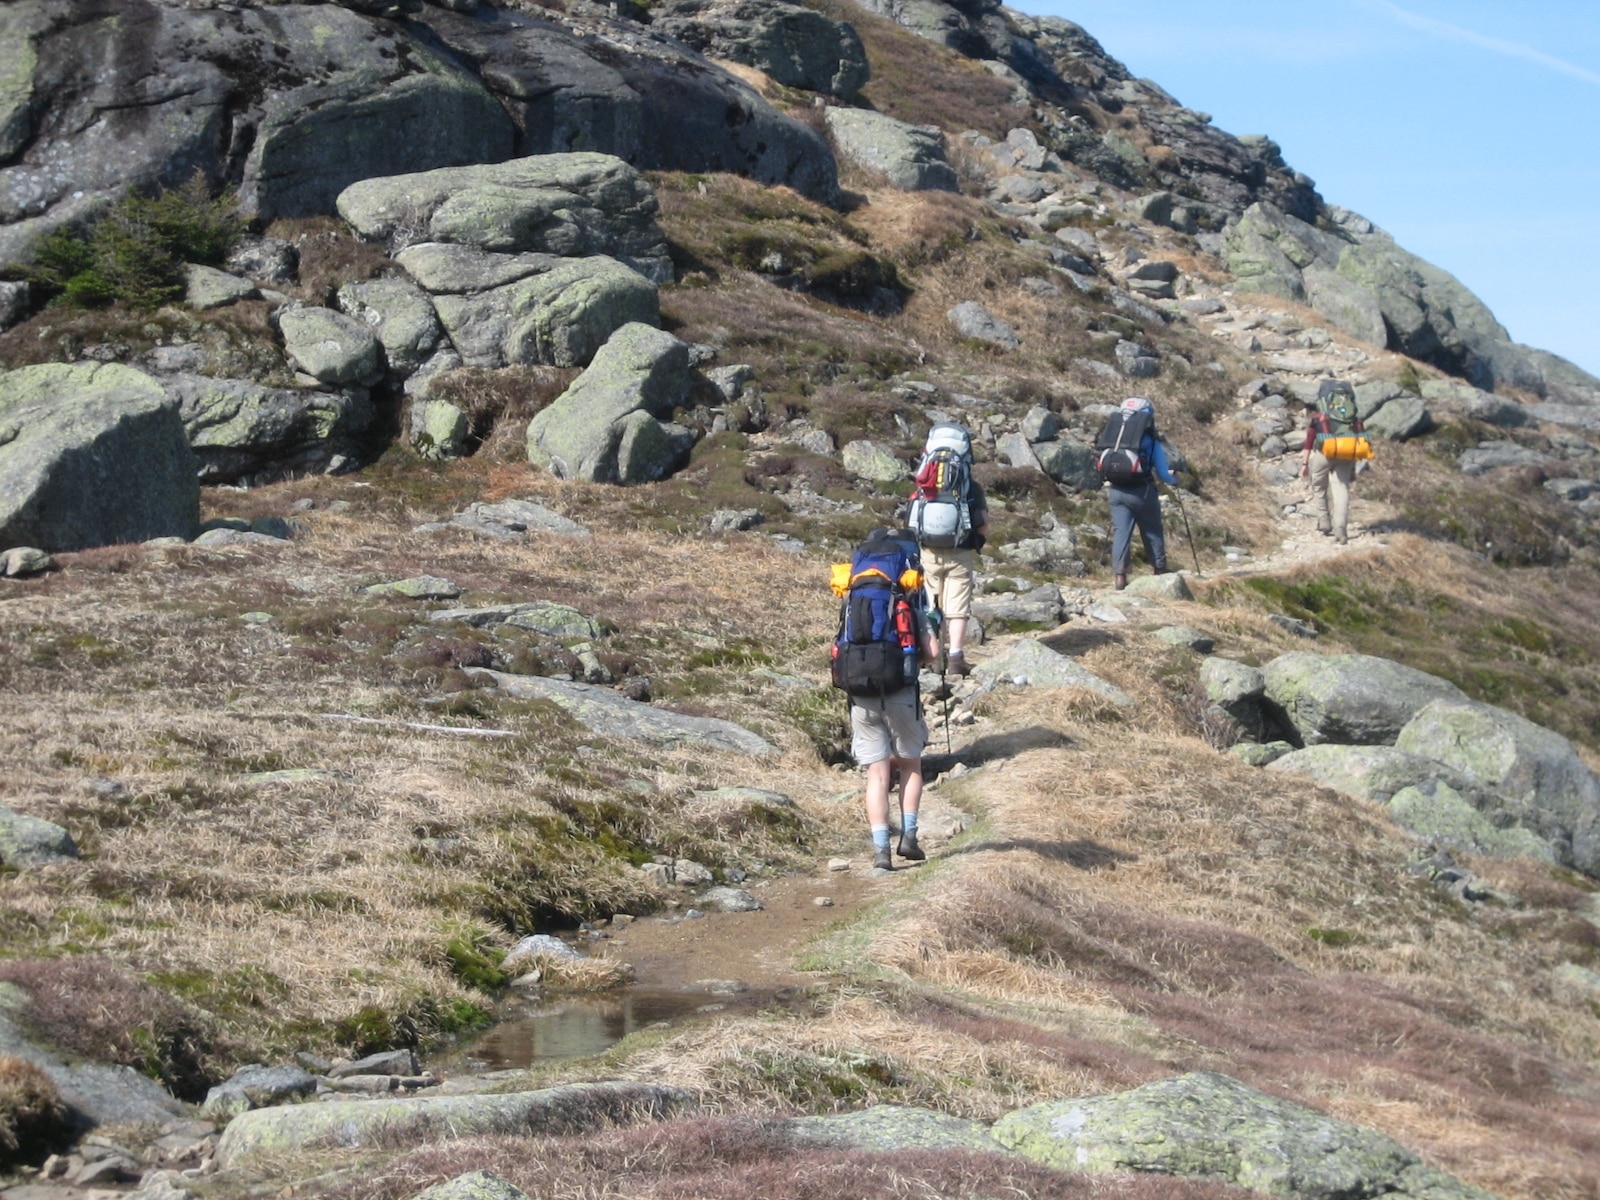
[
  {"x": 256, "y": 1086},
  {"x": 639, "y": 370},
  {"x": 972, "y": 27},
  {"x": 1372, "y": 773},
  {"x": 796, "y": 46},
  {"x": 1036, "y": 665},
  {"x": 473, "y": 1185},
  {"x": 911, "y": 157},
  {"x": 570, "y": 205},
  {"x": 1228, "y": 683},
  {"x": 559, "y": 317},
  {"x": 541, "y": 616},
  {"x": 94, "y": 1094},
  {"x": 870, "y": 461},
  {"x": 649, "y": 449},
  {"x": 243, "y": 431},
  {"x": 330, "y": 346},
  {"x": 893, "y": 1127},
  {"x": 1207, "y": 1126},
  {"x": 93, "y": 455},
  {"x": 206, "y": 287},
  {"x": 1350, "y": 698},
  {"x": 402, "y": 317},
  {"x": 1475, "y": 404},
  {"x": 1491, "y": 456},
  {"x": 972, "y": 320},
  {"x": 449, "y": 269},
  {"x": 315, "y": 140},
  {"x": 603, "y": 711},
  {"x": 1442, "y": 814},
  {"x": 31, "y": 842},
  {"x": 1040, "y": 608},
  {"x": 1070, "y": 462},
  {"x": 354, "y": 1124},
  {"x": 1526, "y": 775},
  {"x": 1400, "y": 419}
]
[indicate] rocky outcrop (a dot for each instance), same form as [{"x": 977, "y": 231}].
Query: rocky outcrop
[
  {"x": 1356, "y": 276},
  {"x": 244, "y": 432},
  {"x": 331, "y": 347},
  {"x": 911, "y": 157},
  {"x": 604, "y": 711},
  {"x": 795, "y": 46},
  {"x": 91, "y": 455},
  {"x": 1372, "y": 773},
  {"x": 560, "y": 316},
  {"x": 615, "y": 87},
  {"x": 1524, "y": 775},
  {"x": 1030, "y": 663},
  {"x": 892, "y": 1127},
  {"x": 1207, "y": 1126},
  {"x": 605, "y": 428},
  {"x": 294, "y": 102},
  {"x": 569, "y": 205},
  {"x": 400, "y": 315},
  {"x": 1350, "y": 698},
  {"x": 357, "y": 1123}
]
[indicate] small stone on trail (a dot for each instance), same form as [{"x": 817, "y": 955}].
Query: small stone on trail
[
  {"x": 838, "y": 864},
  {"x": 730, "y": 899},
  {"x": 823, "y": 901},
  {"x": 623, "y": 919},
  {"x": 21, "y": 561},
  {"x": 694, "y": 914}
]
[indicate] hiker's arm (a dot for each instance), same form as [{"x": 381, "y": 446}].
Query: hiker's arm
[
  {"x": 1305, "y": 450},
  {"x": 1163, "y": 469}
]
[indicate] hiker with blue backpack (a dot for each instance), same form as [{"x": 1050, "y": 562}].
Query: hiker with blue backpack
[
  {"x": 883, "y": 641},
  {"x": 1335, "y": 446},
  {"x": 1130, "y": 457}
]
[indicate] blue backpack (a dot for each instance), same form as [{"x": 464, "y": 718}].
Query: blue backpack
[{"x": 880, "y": 596}]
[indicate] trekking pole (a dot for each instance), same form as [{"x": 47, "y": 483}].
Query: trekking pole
[{"x": 1189, "y": 533}]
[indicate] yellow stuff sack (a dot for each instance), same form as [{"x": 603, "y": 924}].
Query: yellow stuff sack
[
  {"x": 1344, "y": 447},
  {"x": 839, "y": 578}
]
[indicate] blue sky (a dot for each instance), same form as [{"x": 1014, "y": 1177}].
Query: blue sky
[{"x": 1470, "y": 130}]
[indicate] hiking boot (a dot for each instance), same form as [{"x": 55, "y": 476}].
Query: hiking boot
[
  {"x": 908, "y": 848},
  {"x": 955, "y": 663},
  {"x": 1341, "y": 539},
  {"x": 1119, "y": 582},
  {"x": 1325, "y": 530},
  {"x": 1160, "y": 569},
  {"x": 881, "y": 860}
]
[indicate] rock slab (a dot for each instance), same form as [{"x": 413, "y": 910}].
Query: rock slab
[
  {"x": 604, "y": 711},
  {"x": 1207, "y": 1126},
  {"x": 364, "y": 1123}
]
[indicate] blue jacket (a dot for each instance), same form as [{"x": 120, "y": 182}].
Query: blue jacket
[{"x": 1154, "y": 453}]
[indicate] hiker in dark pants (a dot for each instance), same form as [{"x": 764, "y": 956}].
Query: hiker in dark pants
[{"x": 1139, "y": 503}]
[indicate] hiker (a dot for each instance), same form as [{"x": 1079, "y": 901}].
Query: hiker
[
  {"x": 1130, "y": 458},
  {"x": 950, "y": 518},
  {"x": 1335, "y": 445},
  {"x": 884, "y": 640}
]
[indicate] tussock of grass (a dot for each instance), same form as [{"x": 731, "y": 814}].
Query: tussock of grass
[{"x": 33, "y": 1121}]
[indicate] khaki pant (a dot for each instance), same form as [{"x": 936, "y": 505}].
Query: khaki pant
[{"x": 1330, "y": 488}]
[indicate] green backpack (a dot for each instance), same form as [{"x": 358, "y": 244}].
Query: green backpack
[{"x": 1339, "y": 406}]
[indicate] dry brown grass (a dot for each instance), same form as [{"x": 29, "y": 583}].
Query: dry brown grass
[
  {"x": 317, "y": 911},
  {"x": 721, "y": 1159},
  {"x": 1135, "y": 885}
]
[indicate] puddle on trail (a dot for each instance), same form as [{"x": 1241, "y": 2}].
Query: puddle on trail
[{"x": 566, "y": 1027}]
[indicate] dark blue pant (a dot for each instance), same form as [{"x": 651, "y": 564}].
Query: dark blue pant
[{"x": 1140, "y": 506}]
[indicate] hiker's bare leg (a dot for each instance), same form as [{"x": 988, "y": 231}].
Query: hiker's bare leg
[
  {"x": 878, "y": 791},
  {"x": 910, "y": 784},
  {"x": 957, "y": 627}
]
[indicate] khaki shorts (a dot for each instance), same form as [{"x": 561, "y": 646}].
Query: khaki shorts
[
  {"x": 949, "y": 580},
  {"x": 890, "y": 727}
]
